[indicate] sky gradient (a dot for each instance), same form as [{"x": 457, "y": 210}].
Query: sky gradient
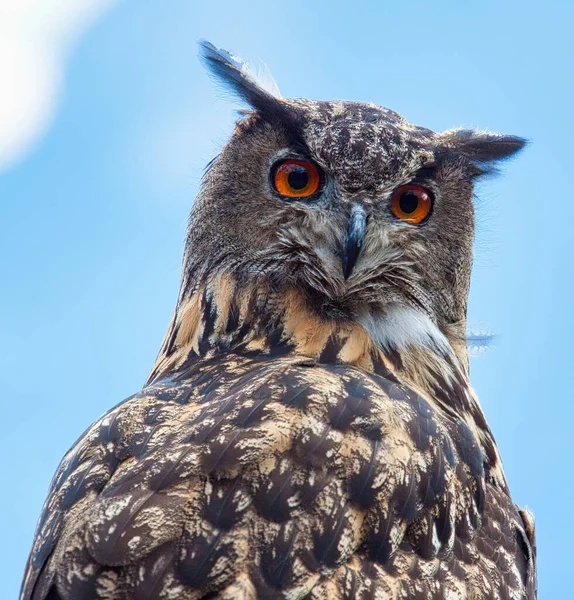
[{"x": 93, "y": 216}]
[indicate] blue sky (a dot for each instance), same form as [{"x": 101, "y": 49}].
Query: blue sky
[{"x": 93, "y": 216}]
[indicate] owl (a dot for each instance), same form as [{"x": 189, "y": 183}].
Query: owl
[{"x": 308, "y": 430}]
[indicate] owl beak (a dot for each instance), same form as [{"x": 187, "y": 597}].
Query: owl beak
[{"x": 354, "y": 237}]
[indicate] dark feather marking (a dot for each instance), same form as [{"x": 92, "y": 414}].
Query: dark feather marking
[
  {"x": 313, "y": 450},
  {"x": 252, "y": 414},
  {"x": 213, "y": 461},
  {"x": 213, "y": 385},
  {"x": 379, "y": 545},
  {"x": 437, "y": 478},
  {"x": 391, "y": 387},
  {"x": 360, "y": 485},
  {"x": 349, "y": 406},
  {"x": 220, "y": 511},
  {"x": 425, "y": 547},
  {"x": 331, "y": 351},
  {"x": 280, "y": 348},
  {"x": 426, "y": 492},
  {"x": 209, "y": 318},
  {"x": 316, "y": 447},
  {"x": 407, "y": 505},
  {"x": 294, "y": 396},
  {"x": 243, "y": 331},
  {"x": 149, "y": 589},
  {"x": 195, "y": 365},
  {"x": 275, "y": 335},
  {"x": 186, "y": 396},
  {"x": 72, "y": 494},
  {"x": 395, "y": 357},
  {"x": 374, "y": 434},
  {"x": 194, "y": 572},
  {"x": 474, "y": 515},
  {"x": 413, "y": 426},
  {"x": 272, "y": 502},
  {"x": 480, "y": 495},
  {"x": 204, "y": 377},
  {"x": 53, "y": 594},
  {"x": 325, "y": 544},
  {"x": 277, "y": 570},
  {"x": 454, "y": 398},
  {"x": 170, "y": 343},
  {"x": 267, "y": 506},
  {"x": 232, "y": 318},
  {"x": 469, "y": 449},
  {"x": 381, "y": 369}
]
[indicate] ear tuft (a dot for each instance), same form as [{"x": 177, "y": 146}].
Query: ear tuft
[
  {"x": 259, "y": 91},
  {"x": 483, "y": 148}
]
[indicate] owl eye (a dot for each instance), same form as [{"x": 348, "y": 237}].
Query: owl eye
[
  {"x": 296, "y": 178},
  {"x": 411, "y": 203}
]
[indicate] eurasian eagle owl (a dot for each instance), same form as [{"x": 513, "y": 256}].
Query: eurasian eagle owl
[{"x": 308, "y": 430}]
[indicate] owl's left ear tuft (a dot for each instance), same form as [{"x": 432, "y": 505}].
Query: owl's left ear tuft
[
  {"x": 259, "y": 90},
  {"x": 483, "y": 148}
]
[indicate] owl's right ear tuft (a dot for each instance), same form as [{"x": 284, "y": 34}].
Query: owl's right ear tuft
[{"x": 259, "y": 92}]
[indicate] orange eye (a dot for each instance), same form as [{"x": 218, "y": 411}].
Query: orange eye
[
  {"x": 296, "y": 178},
  {"x": 411, "y": 203}
]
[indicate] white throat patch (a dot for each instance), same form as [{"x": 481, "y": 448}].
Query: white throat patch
[{"x": 402, "y": 326}]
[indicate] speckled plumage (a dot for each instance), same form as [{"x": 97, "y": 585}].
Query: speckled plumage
[{"x": 302, "y": 434}]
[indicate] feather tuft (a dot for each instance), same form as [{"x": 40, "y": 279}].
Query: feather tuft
[
  {"x": 257, "y": 88},
  {"x": 478, "y": 341}
]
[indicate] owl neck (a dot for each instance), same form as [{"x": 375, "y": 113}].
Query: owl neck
[{"x": 220, "y": 316}]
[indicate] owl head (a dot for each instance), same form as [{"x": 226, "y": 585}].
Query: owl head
[{"x": 370, "y": 217}]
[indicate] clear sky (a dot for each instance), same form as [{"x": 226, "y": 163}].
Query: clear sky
[{"x": 93, "y": 215}]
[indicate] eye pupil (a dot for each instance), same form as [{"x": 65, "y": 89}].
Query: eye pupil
[
  {"x": 409, "y": 202},
  {"x": 298, "y": 178}
]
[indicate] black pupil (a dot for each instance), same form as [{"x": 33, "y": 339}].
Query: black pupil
[
  {"x": 298, "y": 178},
  {"x": 409, "y": 202}
]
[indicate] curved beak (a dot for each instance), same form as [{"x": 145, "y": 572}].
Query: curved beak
[{"x": 354, "y": 238}]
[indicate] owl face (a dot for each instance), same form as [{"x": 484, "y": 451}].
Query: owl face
[{"x": 348, "y": 202}]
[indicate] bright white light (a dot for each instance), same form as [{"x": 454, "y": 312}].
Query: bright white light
[{"x": 36, "y": 37}]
